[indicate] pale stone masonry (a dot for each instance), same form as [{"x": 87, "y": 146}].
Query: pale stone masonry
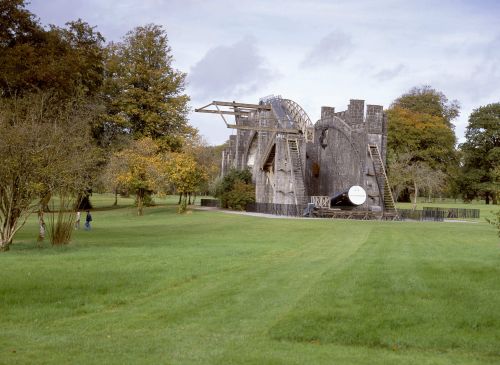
[{"x": 317, "y": 160}]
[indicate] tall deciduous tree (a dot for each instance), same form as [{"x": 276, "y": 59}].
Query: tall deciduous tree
[
  {"x": 420, "y": 126},
  {"x": 67, "y": 60},
  {"x": 426, "y": 137},
  {"x": 16, "y": 22},
  {"x": 20, "y": 37},
  {"x": 481, "y": 154},
  {"x": 83, "y": 58},
  {"x": 426, "y": 100},
  {"x": 144, "y": 92},
  {"x": 417, "y": 177},
  {"x": 45, "y": 147}
]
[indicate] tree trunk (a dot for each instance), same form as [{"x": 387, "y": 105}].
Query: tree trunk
[
  {"x": 487, "y": 198},
  {"x": 6, "y": 238},
  {"x": 140, "y": 198},
  {"x": 116, "y": 198},
  {"x": 180, "y": 199},
  {"x": 44, "y": 202},
  {"x": 189, "y": 200},
  {"x": 395, "y": 194},
  {"x": 9, "y": 229},
  {"x": 41, "y": 224},
  {"x": 415, "y": 195},
  {"x": 4, "y": 245}
]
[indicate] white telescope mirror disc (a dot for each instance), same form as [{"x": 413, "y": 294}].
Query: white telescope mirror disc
[{"x": 357, "y": 195}]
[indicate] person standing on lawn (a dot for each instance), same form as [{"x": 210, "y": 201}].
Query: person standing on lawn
[{"x": 88, "y": 219}]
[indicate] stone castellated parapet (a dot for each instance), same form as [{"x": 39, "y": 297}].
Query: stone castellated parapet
[
  {"x": 355, "y": 112},
  {"x": 374, "y": 118},
  {"x": 327, "y": 112}
]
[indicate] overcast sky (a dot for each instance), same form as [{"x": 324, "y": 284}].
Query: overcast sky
[{"x": 315, "y": 52}]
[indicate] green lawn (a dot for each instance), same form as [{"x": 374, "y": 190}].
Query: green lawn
[{"x": 216, "y": 288}]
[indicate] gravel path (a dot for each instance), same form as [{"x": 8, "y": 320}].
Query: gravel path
[{"x": 249, "y": 213}]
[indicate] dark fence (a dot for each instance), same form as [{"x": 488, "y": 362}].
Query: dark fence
[
  {"x": 421, "y": 215},
  {"x": 455, "y": 212},
  {"x": 435, "y": 215},
  {"x": 277, "y": 209},
  {"x": 210, "y": 202}
]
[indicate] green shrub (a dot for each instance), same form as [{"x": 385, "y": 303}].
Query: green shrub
[
  {"x": 241, "y": 194},
  {"x": 61, "y": 222},
  {"x": 236, "y": 190},
  {"x": 495, "y": 221}
]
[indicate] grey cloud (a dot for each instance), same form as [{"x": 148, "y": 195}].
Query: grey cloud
[
  {"x": 230, "y": 71},
  {"x": 482, "y": 81},
  {"x": 389, "y": 73},
  {"x": 491, "y": 60},
  {"x": 332, "y": 48}
]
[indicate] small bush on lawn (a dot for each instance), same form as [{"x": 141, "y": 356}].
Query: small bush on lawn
[
  {"x": 240, "y": 196},
  {"x": 236, "y": 190},
  {"x": 495, "y": 221}
]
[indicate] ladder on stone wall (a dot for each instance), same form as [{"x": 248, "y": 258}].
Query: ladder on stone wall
[
  {"x": 296, "y": 170},
  {"x": 382, "y": 181}
]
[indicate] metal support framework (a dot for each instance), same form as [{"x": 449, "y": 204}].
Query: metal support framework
[{"x": 300, "y": 117}]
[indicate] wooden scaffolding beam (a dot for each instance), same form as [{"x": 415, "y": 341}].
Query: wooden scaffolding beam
[{"x": 242, "y": 110}]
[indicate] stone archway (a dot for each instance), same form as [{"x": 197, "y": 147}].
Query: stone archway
[{"x": 252, "y": 151}]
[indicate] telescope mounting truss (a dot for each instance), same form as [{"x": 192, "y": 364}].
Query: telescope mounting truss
[{"x": 263, "y": 111}]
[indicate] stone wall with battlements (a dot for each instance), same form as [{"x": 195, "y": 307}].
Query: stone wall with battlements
[
  {"x": 339, "y": 157},
  {"x": 336, "y": 159}
]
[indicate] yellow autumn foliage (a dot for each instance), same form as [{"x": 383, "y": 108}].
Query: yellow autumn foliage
[
  {"x": 140, "y": 168},
  {"x": 185, "y": 173}
]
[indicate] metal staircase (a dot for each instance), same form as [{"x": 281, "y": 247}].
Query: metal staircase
[
  {"x": 296, "y": 170},
  {"x": 382, "y": 181}
]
